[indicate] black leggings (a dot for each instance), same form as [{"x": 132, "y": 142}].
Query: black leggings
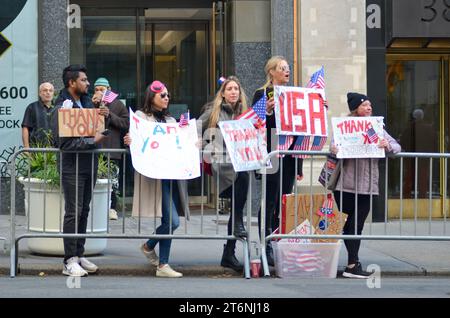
[
  {"x": 348, "y": 207},
  {"x": 240, "y": 197}
]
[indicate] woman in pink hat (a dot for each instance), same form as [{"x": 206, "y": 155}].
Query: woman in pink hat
[{"x": 152, "y": 196}]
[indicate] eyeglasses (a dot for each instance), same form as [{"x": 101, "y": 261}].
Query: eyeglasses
[
  {"x": 163, "y": 95},
  {"x": 284, "y": 68}
]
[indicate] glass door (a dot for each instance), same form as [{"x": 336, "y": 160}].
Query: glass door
[
  {"x": 175, "y": 53},
  {"x": 418, "y": 116}
]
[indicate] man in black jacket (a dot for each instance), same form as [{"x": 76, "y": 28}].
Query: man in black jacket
[{"x": 78, "y": 170}]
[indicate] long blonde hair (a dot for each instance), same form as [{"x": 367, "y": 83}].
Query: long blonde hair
[
  {"x": 272, "y": 64},
  {"x": 218, "y": 100}
]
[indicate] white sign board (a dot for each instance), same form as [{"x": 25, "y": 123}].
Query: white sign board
[
  {"x": 164, "y": 150},
  {"x": 18, "y": 70},
  {"x": 358, "y": 137},
  {"x": 245, "y": 145},
  {"x": 300, "y": 111}
]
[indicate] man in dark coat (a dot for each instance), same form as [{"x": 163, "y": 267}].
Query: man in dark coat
[{"x": 118, "y": 124}]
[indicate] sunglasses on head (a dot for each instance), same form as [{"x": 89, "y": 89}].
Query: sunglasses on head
[{"x": 163, "y": 95}]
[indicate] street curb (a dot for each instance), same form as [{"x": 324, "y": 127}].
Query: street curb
[
  {"x": 127, "y": 270},
  {"x": 208, "y": 271}
]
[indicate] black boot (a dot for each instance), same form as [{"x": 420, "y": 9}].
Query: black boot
[
  {"x": 228, "y": 258},
  {"x": 239, "y": 229},
  {"x": 269, "y": 254}
]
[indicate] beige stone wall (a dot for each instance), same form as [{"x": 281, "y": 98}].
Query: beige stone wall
[
  {"x": 333, "y": 34},
  {"x": 251, "y": 21}
]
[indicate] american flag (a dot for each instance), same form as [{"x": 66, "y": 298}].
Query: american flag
[
  {"x": 302, "y": 143},
  {"x": 284, "y": 142},
  {"x": 318, "y": 143},
  {"x": 373, "y": 137},
  {"x": 258, "y": 111},
  {"x": 109, "y": 96},
  {"x": 318, "y": 81},
  {"x": 327, "y": 207},
  {"x": 307, "y": 261},
  {"x": 184, "y": 119}
]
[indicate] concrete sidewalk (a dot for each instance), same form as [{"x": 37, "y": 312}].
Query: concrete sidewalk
[{"x": 202, "y": 257}]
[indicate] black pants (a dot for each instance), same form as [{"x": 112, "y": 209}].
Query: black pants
[
  {"x": 240, "y": 198},
  {"x": 273, "y": 192},
  {"x": 72, "y": 224},
  {"x": 115, "y": 188},
  {"x": 348, "y": 207}
]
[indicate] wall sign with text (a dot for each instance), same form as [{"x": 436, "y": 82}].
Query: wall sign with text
[{"x": 18, "y": 69}]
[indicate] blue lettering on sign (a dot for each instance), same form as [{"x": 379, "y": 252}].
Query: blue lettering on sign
[
  {"x": 145, "y": 144},
  {"x": 159, "y": 130}
]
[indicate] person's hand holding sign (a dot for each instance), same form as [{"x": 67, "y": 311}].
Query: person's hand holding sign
[
  {"x": 127, "y": 139},
  {"x": 383, "y": 144},
  {"x": 270, "y": 105}
]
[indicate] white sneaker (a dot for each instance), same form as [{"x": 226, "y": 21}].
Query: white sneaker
[
  {"x": 72, "y": 268},
  {"x": 151, "y": 255},
  {"x": 88, "y": 266},
  {"x": 113, "y": 214},
  {"x": 167, "y": 271}
]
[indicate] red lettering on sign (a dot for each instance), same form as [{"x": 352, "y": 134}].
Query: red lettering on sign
[
  {"x": 154, "y": 145},
  {"x": 320, "y": 115},
  {"x": 285, "y": 112},
  {"x": 169, "y": 128},
  {"x": 299, "y": 112},
  {"x": 136, "y": 120}
]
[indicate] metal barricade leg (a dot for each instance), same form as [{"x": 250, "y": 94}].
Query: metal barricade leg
[
  {"x": 13, "y": 260},
  {"x": 246, "y": 259}
]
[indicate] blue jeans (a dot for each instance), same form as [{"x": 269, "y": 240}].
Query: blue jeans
[{"x": 164, "y": 228}]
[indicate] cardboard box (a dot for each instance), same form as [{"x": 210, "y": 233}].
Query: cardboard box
[{"x": 326, "y": 224}]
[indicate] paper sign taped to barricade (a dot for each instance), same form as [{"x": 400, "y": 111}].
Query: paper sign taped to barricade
[
  {"x": 305, "y": 228},
  {"x": 245, "y": 145},
  {"x": 164, "y": 150},
  {"x": 300, "y": 111},
  {"x": 358, "y": 137},
  {"x": 80, "y": 122}
]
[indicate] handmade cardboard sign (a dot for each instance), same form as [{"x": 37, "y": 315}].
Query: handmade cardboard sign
[
  {"x": 80, "y": 122},
  {"x": 358, "y": 137}
]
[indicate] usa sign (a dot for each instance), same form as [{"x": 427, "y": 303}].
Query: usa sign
[{"x": 300, "y": 111}]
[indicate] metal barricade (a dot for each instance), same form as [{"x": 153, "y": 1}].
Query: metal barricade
[
  {"x": 3, "y": 165},
  {"x": 394, "y": 228},
  {"x": 142, "y": 229}
]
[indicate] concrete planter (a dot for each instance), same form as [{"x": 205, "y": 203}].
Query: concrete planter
[{"x": 38, "y": 195}]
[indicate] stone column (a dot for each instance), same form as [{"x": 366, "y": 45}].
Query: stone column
[
  {"x": 54, "y": 53},
  {"x": 250, "y": 42},
  {"x": 250, "y": 48},
  {"x": 282, "y": 30}
]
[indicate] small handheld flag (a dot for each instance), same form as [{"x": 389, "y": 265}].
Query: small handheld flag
[
  {"x": 109, "y": 97},
  {"x": 373, "y": 137},
  {"x": 184, "y": 119}
]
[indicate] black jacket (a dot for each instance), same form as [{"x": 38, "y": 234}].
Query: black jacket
[
  {"x": 271, "y": 125},
  {"x": 118, "y": 123},
  {"x": 74, "y": 143}
]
